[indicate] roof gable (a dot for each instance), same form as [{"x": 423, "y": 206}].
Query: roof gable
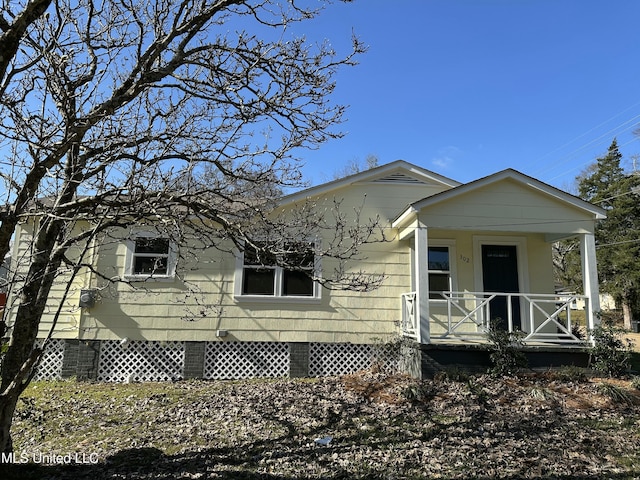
[
  {"x": 399, "y": 172},
  {"x": 518, "y": 177},
  {"x": 546, "y": 193}
]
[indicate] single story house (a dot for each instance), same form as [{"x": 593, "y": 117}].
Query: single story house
[{"x": 457, "y": 257}]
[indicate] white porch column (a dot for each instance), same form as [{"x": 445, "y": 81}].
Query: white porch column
[
  {"x": 421, "y": 250},
  {"x": 590, "y": 278}
]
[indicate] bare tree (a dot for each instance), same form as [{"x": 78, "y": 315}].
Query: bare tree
[
  {"x": 356, "y": 166},
  {"x": 15, "y": 28},
  {"x": 116, "y": 112}
]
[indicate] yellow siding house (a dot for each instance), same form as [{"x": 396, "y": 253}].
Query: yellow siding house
[{"x": 457, "y": 258}]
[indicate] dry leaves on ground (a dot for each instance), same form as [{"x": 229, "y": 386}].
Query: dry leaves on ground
[{"x": 372, "y": 425}]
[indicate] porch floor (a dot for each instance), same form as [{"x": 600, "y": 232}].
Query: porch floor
[{"x": 483, "y": 343}]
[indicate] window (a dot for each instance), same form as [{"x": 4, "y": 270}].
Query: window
[
  {"x": 262, "y": 276},
  {"x": 439, "y": 272},
  {"x": 149, "y": 257}
]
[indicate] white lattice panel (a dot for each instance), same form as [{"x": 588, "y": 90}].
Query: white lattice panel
[
  {"x": 50, "y": 367},
  {"x": 330, "y": 359},
  {"x": 234, "y": 360},
  {"x": 140, "y": 361}
]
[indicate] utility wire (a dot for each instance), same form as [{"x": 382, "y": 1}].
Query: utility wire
[
  {"x": 583, "y": 164},
  {"x": 587, "y": 133},
  {"x": 622, "y": 242}
]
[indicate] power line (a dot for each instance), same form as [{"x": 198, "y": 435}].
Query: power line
[
  {"x": 618, "y": 129},
  {"x": 623, "y": 242},
  {"x": 588, "y": 132},
  {"x": 582, "y": 164}
]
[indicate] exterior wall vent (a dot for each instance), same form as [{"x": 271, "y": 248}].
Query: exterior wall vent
[{"x": 399, "y": 178}]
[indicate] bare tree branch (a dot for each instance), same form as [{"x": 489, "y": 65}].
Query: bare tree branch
[{"x": 187, "y": 116}]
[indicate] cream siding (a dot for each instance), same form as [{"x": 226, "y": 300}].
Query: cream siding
[
  {"x": 507, "y": 205},
  {"x": 503, "y": 212},
  {"x": 169, "y": 310},
  {"x": 199, "y": 303},
  {"x": 69, "y": 317}
]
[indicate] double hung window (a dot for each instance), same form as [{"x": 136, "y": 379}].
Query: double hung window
[
  {"x": 439, "y": 271},
  {"x": 289, "y": 274},
  {"x": 150, "y": 257}
]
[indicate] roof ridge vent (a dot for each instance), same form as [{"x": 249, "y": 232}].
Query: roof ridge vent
[{"x": 399, "y": 178}]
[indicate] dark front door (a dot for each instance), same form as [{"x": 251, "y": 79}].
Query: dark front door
[{"x": 500, "y": 274}]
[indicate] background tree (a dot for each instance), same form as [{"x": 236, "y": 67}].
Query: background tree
[
  {"x": 114, "y": 113},
  {"x": 566, "y": 265},
  {"x": 606, "y": 184},
  {"x": 357, "y": 166}
]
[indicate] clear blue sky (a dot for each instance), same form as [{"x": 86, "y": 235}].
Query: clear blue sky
[{"x": 469, "y": 87}]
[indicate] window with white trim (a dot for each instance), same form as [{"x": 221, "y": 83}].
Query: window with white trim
[
  {"x": 150, "y": 256},
  {"x": 439, "y": 259},
  {"x": 262, "y": 273}
]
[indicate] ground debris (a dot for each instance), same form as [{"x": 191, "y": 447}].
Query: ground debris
[{"x": 380, "y": 425}]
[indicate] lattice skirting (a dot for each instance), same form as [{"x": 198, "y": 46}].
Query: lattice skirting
[
  {"x": 235, "y": 360},
  {"x": 330, "y": 359},
  {"x": 50, "y": 367},
  {"x": 143, "y": 361},
  {"x": 140, "y": 361}
]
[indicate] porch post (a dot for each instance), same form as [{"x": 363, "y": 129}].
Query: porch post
[
  {"x": 422, "y": 283},
  {"x": 590, "y": 278}
]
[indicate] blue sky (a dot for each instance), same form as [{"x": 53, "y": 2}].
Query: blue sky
[{"x": 469, "y": 87}]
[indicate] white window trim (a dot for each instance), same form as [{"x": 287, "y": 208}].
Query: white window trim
[
  {"x": 453, "y": 281},
  {"x": 172, "y": 259},
  {"x": 277, "y": 297}
]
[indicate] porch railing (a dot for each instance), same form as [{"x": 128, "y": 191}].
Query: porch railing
[
  {"x": 544, "y": 318},
  {"x": 410, "y": 318}
]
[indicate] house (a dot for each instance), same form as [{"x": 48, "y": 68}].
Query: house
[
  {"x": 460, "y": 256},
  {"x": 606, "y": 301}
]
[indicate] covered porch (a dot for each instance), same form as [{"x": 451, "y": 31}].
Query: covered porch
[
  {"x": 481, "y": 255},
  {"x": 547, "y": 319}
]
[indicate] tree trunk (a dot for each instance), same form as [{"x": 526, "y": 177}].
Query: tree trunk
[
  {"x": 17, "y": 365},
  {"x": 7, "y": 408},
  {"x": 627, "y": 314},
  {"x": 21, "y": 356}
]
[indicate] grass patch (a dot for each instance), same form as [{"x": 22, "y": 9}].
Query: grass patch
[
  {"x": 543, "y": 394},
  {"x": 616, "y": 393}
]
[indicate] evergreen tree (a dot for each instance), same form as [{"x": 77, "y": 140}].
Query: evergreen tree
[{"x": 618, "y": 237}]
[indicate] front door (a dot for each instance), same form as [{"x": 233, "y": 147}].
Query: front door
[{"x": 500, "y": 274}]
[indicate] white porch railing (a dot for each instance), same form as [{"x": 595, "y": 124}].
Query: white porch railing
[
  {"x": 410, "y": 320},
  {"x": 542, "y": 318}
]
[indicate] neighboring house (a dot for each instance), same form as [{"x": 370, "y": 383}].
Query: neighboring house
[
  {"x": 461, "y": 255},
  {"x": 606, "y": 301}
]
